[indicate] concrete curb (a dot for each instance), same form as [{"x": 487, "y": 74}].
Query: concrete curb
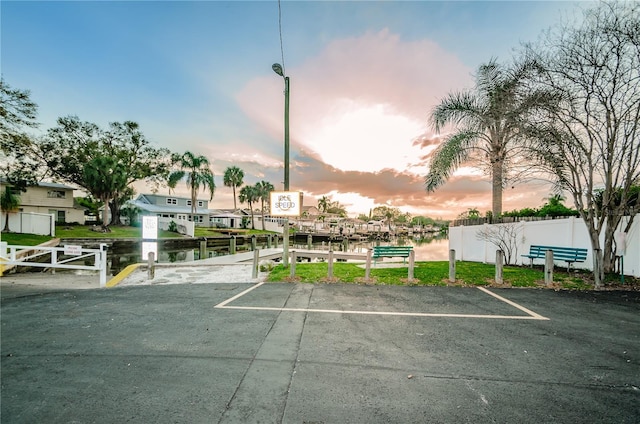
[{"x": 122, "y": 275}]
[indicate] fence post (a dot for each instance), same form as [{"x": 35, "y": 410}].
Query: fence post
[
  {"x": 256, "y": 260},
  {"x": 294, "y": 260},
  {"x": 203, "y": 249},
  {"x": 548, "y": 267},
  {"x": 309, "y": 241},
  {"x": 412, "y": 258},
  {"x": 232, "y": 245},
  {"x": 151, "y": 266},
  {"x": 54, "y": 260},
  {"x": 452, "y": 266},
  {"x": 367, "y": 271},
  {"x": 330, "y": 264},
  {"x": 103, "y": 264},
  {"x": 253, "y": 242},
  {"x": 499, "y": 263}
]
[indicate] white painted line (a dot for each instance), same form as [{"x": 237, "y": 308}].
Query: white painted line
[
  {"x": 531, "y": 315},
  {"x": 402, "y": 314},
  {"x": 222, "y": 304},
  {"x": 515, "y": 305}
]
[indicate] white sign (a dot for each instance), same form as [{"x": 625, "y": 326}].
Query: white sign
[
  {"x": 286, "y": 203},
  {"x": 149, "y": 247},
  {"x": 149, "y": 228},
  {"x": 72, "y": 250}
]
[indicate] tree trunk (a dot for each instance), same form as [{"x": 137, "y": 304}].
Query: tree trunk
[
  {"x": 598, "y": 270},
  {"x": 6, "y": 223},
  {"x": 496, "y": 187},
  {"x": 115, "y": 213},
  {"x": 263, "y": 228},
  {"x": 235, "y": 207},
  {"x": 609, "y": 258},
  {"x": 106, "y": 215}
]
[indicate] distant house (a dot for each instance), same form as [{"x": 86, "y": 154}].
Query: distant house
[
  {"x": 228, "y": 218},
  {"x": 178, "y": 208},
  {"x": 49, "y": 198},
  {"x": 310, "y": 212}
]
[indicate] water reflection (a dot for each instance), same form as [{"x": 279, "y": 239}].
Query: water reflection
[{"x": 427, "y": 249}]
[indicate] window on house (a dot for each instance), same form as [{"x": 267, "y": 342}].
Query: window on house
[
  {"x": 200, "y": 204},
  {"x": 171, "y": 201},
  {"x": 56, "y": 194},
  {"x": 188, "y": 202}
]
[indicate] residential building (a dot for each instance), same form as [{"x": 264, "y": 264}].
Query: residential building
[
  {"x": 49, "y": 198},
  {"x": 178, "y": 208}
]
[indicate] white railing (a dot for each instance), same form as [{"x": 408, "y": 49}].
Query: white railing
[{"x": 58, "y": 257}]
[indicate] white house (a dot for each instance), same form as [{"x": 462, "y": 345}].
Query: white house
[{"x": 178, "y": 208}]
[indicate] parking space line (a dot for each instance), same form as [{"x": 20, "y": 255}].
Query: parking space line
[
  {"x": 223, "y": 304},
  {"x": 514, "y": 304},
  {"x": 530, "y": 314}
]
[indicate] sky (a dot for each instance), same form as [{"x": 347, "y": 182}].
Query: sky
[{"x": 196, "y": 76}]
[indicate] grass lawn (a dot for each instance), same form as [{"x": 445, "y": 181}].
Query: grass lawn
[
  {"x": 79, "y": 231},
  {"x": 117, "y": 231},
  {"x": 17, "y": 239},
  {"x": 431, "y": 274}
]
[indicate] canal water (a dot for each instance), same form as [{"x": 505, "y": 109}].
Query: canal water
[{"x": 427, "y": 249}]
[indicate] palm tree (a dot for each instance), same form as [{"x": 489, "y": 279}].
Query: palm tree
[
  {"x": 488, "y": 130},
  {"x": 264, "y": 189},
  {"x": 233, "y": 177},
  {"x": 250, "y": 195},
  {"x": 324, "y": 203},
  {"x": 107, "y": 178},
  {"x": 9, "y": 203},
  {"x": 197, "y": 172}
]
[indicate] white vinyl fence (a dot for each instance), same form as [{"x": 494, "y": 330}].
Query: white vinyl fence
[
  {"x": 30, "y": 223},
  {"x": 569, "y": 232}
]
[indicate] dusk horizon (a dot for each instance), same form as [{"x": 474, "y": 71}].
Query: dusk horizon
[{"x": 197, "y": 76}]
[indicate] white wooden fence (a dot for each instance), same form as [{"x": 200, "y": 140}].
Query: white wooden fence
[
  {"x": 31, "y": 223},
  {"x": 570, "y": 232},
  {"x": 56, "y": 257}
]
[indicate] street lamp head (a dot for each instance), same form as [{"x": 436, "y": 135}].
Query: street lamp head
[{"x": 277, "y": 68}]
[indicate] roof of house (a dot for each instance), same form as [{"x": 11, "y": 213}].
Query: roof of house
[
  {"x": 169, "y": 208},
  {"x": 45, "y": 184}
]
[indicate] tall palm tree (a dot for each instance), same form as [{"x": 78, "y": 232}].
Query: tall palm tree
[
  {"x": 9, "y": 203},
  {"x": 233, "y": 177},
  {"x": 197, "y": 172},
  {"x": 487, "y": 120},
  {"x": 250, "y": 195},
  {"x": 324, "y": 203},
  {"x": 264, "y": 190}
]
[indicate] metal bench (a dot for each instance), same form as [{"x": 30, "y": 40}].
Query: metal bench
[
  {"x": 391, "y": 252},
  {"x": 568, "y": 254}
]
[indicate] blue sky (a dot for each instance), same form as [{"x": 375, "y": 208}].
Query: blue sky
[{"x": 196, "y": 75}]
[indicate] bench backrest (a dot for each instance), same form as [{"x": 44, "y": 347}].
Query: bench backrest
[
  {"x": 560, "y": 253},
  {"x": 392, "y": 249}
]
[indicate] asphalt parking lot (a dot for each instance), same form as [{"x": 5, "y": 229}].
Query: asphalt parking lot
[{"x": 319, "y": 353}]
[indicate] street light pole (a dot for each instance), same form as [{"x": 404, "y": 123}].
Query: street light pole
[
  {"x": 286, "y": 133},
  {"x": 277, "y": 68}
]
